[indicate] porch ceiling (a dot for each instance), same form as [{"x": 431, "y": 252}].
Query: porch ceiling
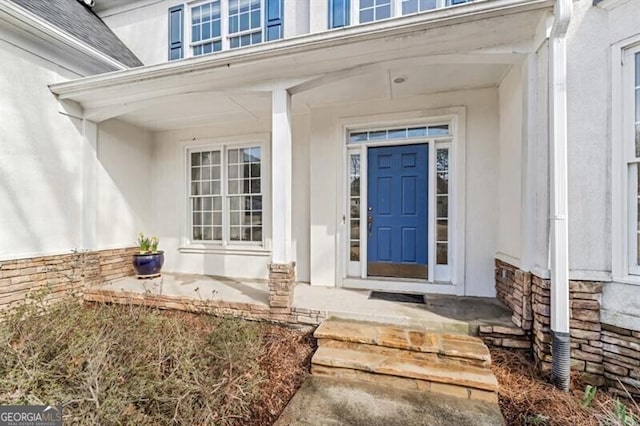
[{"x": 463, "y": 47}]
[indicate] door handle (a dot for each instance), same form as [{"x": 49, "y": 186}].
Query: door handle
[{"x": 369, "y": 224}]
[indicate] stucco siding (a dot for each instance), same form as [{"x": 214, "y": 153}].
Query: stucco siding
[
  {"x": 124, "y": 184},
  {"x": 482, "y": 135},
  {"x": 510, "y": 189},
  {"x": 169, "y": 200},
  {"x": 40, "y": 159}
]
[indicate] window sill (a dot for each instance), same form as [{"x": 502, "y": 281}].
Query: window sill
[
  {"x": 628, "y": 279},
  {"x": 228, "y": 250}
]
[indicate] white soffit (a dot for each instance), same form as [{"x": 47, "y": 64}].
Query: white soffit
[{"x": 472, "y": 44}]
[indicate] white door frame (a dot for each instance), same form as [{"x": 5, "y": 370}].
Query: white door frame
[{"x": 455, "y": 117}]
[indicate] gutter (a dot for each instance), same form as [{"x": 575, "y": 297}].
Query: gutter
[
  {"x": 560, "y": 331},
  {"x": 397, "y": 27},
  {"x": 28, "y": 20}
]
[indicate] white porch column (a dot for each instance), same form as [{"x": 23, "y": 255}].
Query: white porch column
[
  {"x": 281, "y": 177},
  {"x": 89, "y": 184},
  {"x": 282, "y": 273}
]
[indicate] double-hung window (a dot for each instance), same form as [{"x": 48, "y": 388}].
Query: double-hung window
[
  {"x": 345, "y": 12},
  {"x": 199, "y": 28},
  {"x": 224, "y": 24},
  {"x": 245, "y": 22},
  {"x": 631, "y": 136},
  {"x": 225, "y": 195},
  {"x": 206, "y": 28}
]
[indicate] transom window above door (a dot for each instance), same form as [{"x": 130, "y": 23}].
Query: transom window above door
[
  {"x": 200, "y": 28},
  {"x": 352, "y": 12}
]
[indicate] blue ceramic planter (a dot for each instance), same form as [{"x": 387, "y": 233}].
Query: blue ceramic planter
[{"x": 147, "y": 265}]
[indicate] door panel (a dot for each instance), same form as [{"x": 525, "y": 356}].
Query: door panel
[{"x": 397, "y": 212}]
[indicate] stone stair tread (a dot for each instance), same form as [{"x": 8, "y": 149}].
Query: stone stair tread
[
  {"x": 462, "y": 375},
  {"x": 406, "y": 338}
]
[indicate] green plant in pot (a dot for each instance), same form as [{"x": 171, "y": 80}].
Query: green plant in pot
[{"x": 149, "y": 260}]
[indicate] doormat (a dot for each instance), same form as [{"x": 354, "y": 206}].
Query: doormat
[{"x": 397, "y": 297}]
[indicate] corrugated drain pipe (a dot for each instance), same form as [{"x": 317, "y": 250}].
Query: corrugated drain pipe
[{"x": 561, "y": 350}]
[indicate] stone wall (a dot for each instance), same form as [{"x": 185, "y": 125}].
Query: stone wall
[
  {"x": 513, "y": 288},
  {"x": 513, "y": 338},
  {"x": 602, "y": 353},
  {"x": 57, "y": 276},
  {"x": 248, "y": 311},
  {"x": 621, "y": 355},
  {"x": 586, "y": 345}
]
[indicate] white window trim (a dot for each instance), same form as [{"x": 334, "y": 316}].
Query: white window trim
[
  {"x": 456, "y": 118},
  {"x": 187, "y": 245},
  {"x": 396, "y": 10},
  {"x": 224, "y": 27},
  {"x": 624, "y": 268}
]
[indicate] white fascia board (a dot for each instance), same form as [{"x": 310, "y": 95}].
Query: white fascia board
[
  {"x": 268, "y": 51},
  {"x": 39, "y": 27}
]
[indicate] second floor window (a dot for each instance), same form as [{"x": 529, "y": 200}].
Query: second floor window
[
  {"x": 345, "y": 12},
  {"x": 199, "y": 28},
  {"x": 206, "y": 28},
  {"x": 243, "y": 19}
]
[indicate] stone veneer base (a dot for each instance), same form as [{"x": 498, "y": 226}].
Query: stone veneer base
[
  {"x": 62, "y": 275},
  {"x": 601, "y": 353}
]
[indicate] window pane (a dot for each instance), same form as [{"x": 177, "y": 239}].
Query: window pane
[
  {"x": 355, "y": 229},
  {"x": 417, "y": 132},
  {"x": 255, "y": 19},
  {"x": 442, "y": 183},
  {"x": 244, "y": 22},
  {"x": 383, "y": 12},
  {"x": 197, "y": 233},
  {"x": 442, "y": 160},
  {"x": 378, "y": 135},
  {"x": 442, "y": 255},
  {"x": 195, "y": 159},
  {"x": 442, "y": 206},
  {"x": 355, "y": 251},
  {"x": 217, "y": 233},
  {"x": 366, "y": 16},
  {"x": 638, "y": 69},
  {"x": 442, "y": 130},
  {"x": 355, "y": 207},
  {"x": 409, "y": 6},
  {"x": 427, "y": 5},
  {"x": 442, "y": 233},
  {"x": 397, "y": 133},
  {"x": 195, "y": 173}
]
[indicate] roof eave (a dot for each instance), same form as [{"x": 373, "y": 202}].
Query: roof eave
[
  {"x": 30, "y": 21},
  {"x": 306, "y": 43}
]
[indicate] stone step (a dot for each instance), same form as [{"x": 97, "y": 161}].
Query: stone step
[
  {"x": 467, "y": 376},
  {"x": 407, "y": 354},
  {"x": 408, "y": 339},
  {"x": 405, "y": 384}
]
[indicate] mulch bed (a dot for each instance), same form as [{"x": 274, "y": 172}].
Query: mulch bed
[{"x": 527, "y": 398}]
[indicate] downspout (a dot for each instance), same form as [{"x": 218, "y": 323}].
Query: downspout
[{"x": 561, "y": 348}]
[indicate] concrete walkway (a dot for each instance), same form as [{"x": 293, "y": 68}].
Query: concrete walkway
[{"x": 327, "y": 401}]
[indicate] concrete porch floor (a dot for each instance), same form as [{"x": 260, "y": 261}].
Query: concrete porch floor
[{"x": 439, "y": 313}]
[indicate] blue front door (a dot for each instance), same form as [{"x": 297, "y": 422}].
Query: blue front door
[{"x": 397, "y": 211}]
